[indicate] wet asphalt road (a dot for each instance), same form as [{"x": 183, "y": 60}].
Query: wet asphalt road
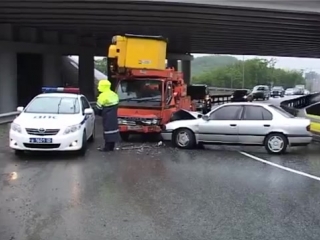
[{"x": 156, "y": 193}]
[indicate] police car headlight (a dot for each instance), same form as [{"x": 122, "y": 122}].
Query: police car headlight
[
  {"x": 16, "y": 127},
  {"x": 72, "y": 129}
]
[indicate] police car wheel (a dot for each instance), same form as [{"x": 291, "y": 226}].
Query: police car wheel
[
  {"x": 92, "y": 137},
  {"x": 18, "y": 152},
  {"x": 84, "y": 146}
]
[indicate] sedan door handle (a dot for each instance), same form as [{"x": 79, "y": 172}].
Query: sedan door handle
[
  {"x": 233, "y": 125},
  {"x": 266, "y": 125}
]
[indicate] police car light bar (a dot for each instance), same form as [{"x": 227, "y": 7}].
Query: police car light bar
[{"x": 60, "y": 90}]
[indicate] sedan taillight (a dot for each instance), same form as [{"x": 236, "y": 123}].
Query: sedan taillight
[{"x": 308, "y": 128}]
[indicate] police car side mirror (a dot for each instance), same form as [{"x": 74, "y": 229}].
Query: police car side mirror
[
  {"x": 88, "y": 111},
  {"x": 20, "y": 109}
]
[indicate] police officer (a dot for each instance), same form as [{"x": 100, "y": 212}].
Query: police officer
[{"x": 107, "y": 107}]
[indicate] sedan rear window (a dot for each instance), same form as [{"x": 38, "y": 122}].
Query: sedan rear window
[{"x": 281, "y": 111}]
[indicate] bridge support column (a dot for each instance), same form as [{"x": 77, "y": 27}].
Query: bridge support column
[
  {"x": 8, "y": 82},
  {"x": 86, "y": 75},
  {"x": 186, "y": 70},
  {"x": 172, "y": 64},
  {"x": 52, "y": 67}
]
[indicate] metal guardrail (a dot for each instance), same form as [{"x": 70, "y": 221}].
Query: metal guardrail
[
  {"x": 220, "y": 99},
  {"x": 294, "y": 105},
  {"x": 8, "y": 117},
  {"x": 218, "y": 89}
]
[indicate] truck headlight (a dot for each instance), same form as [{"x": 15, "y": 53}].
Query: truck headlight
[
  {"x": 16, "y": 127},
  {"x": 122, "y": 121},
  {"x": 72, "y": 129},
  {"x": 151, "y": 122}
]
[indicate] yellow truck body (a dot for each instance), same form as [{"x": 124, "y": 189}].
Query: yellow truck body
[{"x": 139, "y": 52}]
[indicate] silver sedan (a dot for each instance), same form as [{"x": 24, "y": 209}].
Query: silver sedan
[{"x": 241, "y": 124}]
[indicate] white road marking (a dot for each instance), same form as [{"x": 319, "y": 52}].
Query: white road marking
[{"x": 279, "y": 166}]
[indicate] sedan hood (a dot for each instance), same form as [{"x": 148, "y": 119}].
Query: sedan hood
[{"x": 184, "y": 115}]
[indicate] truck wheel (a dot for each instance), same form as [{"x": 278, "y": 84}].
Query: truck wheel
[
  {"x": 124, "y": 136},
  {"x": 276, "y": 143},
  {"x": 184, "y": 138}
]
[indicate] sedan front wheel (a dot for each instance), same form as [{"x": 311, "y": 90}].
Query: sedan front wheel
[
  {"x": 184, "y": 138},
  {"x": 276, "y": 143}
]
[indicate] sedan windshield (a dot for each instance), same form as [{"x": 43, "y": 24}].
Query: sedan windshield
[
  {"x": 277, "y": 88},
  {"x": 54, "y": 105}
]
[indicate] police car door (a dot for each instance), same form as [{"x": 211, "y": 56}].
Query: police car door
[{"x": 90, "y": 118}]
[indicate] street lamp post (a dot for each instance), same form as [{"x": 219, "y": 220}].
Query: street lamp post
[{"x": 242, "y": 71}]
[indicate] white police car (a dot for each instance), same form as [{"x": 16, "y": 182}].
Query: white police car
[{"x": 60, "y": 119}]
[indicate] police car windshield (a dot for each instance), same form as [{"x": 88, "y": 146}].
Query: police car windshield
[{"x": 54, "y": 105}]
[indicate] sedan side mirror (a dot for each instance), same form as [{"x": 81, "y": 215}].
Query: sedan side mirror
[
  {"x": 20, "y": 109},
  {"x": 205, "y": 117},
  {"x": 88, "y": 111}
]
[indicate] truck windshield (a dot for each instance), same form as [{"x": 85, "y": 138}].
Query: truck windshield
[{"x": 140, "y": 92}]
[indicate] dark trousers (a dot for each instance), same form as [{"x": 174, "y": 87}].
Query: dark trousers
[{"x": 109, "y": 146}]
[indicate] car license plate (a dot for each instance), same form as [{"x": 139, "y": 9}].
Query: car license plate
[
  {"x": 134, "y": 127},
  {"x": 40, "y": 140}
]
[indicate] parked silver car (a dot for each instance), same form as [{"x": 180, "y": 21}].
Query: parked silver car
[{"x": 241, "y": 124}]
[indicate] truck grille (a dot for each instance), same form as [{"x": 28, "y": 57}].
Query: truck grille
[{"x": 42, "y": 132}]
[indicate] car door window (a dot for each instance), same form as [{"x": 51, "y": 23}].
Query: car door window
[
  {"x": 85, "y": 104},
  {"x": 226, "y": 113},
  {"x": 313, "y": 110},
  {"x": 256, "y": 113}
]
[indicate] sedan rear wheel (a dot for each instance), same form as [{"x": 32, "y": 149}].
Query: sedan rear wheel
[
  {"x": 184, "y": 138},
  {"x": 276, "y": 143}
]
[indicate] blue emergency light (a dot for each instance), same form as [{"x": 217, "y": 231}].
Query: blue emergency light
[{"x": 60, "y": 90}]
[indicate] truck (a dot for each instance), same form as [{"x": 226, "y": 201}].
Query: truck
[{"x": 149, "y": 93}]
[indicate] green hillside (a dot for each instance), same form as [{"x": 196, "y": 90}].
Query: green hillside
[{"x": 208, "y": 63}]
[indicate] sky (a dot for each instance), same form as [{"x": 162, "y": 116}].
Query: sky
[
  {"x": 307, "y": 64},
  {"x": 288, "y": 63}
]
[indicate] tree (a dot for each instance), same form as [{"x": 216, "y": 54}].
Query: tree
[
  {"x": 256, "y": 71},
  {"x": 208, "y": 63},
  {"x": 101, "y": 65}
]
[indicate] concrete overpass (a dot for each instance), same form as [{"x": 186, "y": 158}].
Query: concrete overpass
[
  {"x": 228, "y": 27},
  {"x": 35, "y": 34}
]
